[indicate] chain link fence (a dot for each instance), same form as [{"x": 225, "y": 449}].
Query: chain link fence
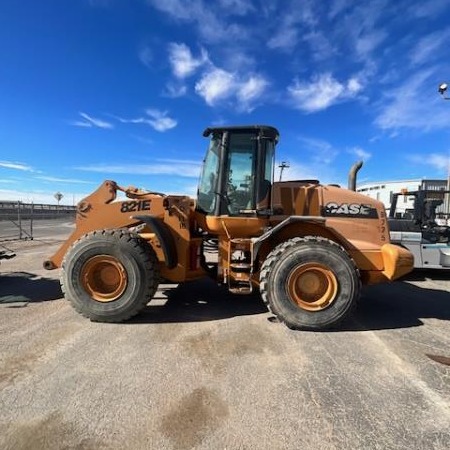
[{"x": 17, "y": 219}]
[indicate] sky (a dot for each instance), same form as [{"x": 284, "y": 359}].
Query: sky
[{"x": 122, "y": 89}]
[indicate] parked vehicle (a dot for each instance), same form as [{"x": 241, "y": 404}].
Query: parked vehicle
[{"x": 423, "y": 231}]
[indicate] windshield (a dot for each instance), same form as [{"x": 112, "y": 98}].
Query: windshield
[{"x": 206, "y": 198}]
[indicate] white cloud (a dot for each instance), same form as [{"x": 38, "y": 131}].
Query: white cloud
[
  {"x": 182, "y": 168},
  {"x": 426, "y": 9},
  {"x": 212, "y": 26},
  {"x": 183, "y": 62},
  {"x": 321, "y": 48},
  {"x": 81, "y": 124},
  {"x": 285, "y": 39},
  {"x": 237, "y": 59},
  {"x": 293, "y": 22},
  {"x": 174, "y": 90},
  {"x": 237, "y": 7},
  {"x": 250, "y": 90},
  {"x": 414, "y": 104},
  {"x": 63, "y": 180},
  {"x": 219, "y": 84},
  {"x": 176, "y": 8},
  {"x": 322, "y": 151},
  {"x": 361, "y": 30},
  {"x": 438, "y": 161},
  {"x": 429, "y": 47},
  {"x": 322, "y": 92},
  {"x": 319, "y": 94},
  {"x": 159, "y": 120},
  {"x": 146, "y": 56},
  {"x": 337, "y": 7},
  {"x": 16, "y": 166},
  {"x": 360, "y": 153},
  {"x": 354, "y": 85},
  {"x": 90, "y": 122},
  {"x": 216, "y": 85},
  {"x": 40, "y": 196},
  {"x": 368, "y": 42}
]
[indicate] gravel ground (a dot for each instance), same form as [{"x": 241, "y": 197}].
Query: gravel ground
[{"x": 203, "y": 369}]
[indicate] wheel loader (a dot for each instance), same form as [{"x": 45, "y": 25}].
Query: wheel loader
[{"x": 307, "y": 247}]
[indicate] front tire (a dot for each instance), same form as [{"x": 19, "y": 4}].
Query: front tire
[
  {"x": 110, "y": 275},
  {"x": 309, "y": 283}
]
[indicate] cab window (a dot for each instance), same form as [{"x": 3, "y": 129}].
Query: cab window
[
  {"x": 241, "y": 172},
  {"x": 206, "y": 195}
]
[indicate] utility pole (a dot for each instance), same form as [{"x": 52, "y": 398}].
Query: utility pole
[{"x": 282, "y": 166}]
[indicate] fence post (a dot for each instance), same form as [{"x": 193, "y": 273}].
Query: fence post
[
  {"x": 31, "y": 220},
  {"x": 19, "y": 220}
]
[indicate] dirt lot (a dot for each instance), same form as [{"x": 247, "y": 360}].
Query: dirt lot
[{"x": 203, "y": 369}]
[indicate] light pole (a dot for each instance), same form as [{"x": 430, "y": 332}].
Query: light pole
[
  {"x": 58, "y": 196},
  {"x": 442, "y": 89}
]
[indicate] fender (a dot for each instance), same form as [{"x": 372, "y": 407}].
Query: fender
[
  {"x": 165, "y": 238},
  {"x": 291, "y": 219}
]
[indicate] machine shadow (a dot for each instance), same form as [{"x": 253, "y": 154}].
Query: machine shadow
[
  {"x": 432, "y": 274},
  {"x": 198, "y": 301},
  {"x": 397, "y": 305},
  {"x": 19, "y": 287},
  {"x": 387, "y": 306}
]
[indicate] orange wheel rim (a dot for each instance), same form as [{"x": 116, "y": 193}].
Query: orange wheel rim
[
  {"x": 104, "y": 278},
  {"x": 312, "y": 286}
]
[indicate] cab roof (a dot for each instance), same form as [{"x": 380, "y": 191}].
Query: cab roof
[{"x": 265, "y": 130}]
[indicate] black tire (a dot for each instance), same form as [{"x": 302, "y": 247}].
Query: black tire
[
  {"x": 310, "y": 283},
  {"x": 109, "y": 275}
]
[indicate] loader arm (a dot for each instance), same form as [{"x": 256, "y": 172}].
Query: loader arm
[{"x": 99, "y": 211}]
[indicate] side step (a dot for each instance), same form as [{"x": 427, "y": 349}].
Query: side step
[{"x": 240, "y": 257}]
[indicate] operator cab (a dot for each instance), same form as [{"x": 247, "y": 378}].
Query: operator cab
[{"x": 237, "y": 172}]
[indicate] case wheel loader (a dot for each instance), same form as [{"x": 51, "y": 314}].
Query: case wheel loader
[{"x": 305, "y": 246}]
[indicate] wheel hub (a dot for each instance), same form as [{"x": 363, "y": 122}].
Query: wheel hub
[
  {"x": 104, "y": 278},
  {"x": 312, "y": 286}
]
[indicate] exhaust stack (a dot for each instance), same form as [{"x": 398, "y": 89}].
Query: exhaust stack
[{"x": 352, "y": 175}]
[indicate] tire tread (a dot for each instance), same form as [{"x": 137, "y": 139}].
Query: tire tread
[
  {"x": 147, "y": 257},
  {"x": 274, "y": 256}
]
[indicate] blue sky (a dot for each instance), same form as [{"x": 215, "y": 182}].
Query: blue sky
[{"x": 122, "y": 89}]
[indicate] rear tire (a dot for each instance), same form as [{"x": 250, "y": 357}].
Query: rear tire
[
  {"x": 110, "y": 275},
  {"x": 309, "y": 283}
]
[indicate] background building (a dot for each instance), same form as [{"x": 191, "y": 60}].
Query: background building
[{"x": 384, "y": 190}]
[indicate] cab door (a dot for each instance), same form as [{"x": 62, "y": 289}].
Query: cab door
[{"x": 240, "y": 174}]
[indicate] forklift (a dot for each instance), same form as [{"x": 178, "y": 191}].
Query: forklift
[{"x": 419, "y": 230}]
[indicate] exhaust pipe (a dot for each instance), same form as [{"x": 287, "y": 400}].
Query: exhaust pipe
[{"x": 352, "y": 175}]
